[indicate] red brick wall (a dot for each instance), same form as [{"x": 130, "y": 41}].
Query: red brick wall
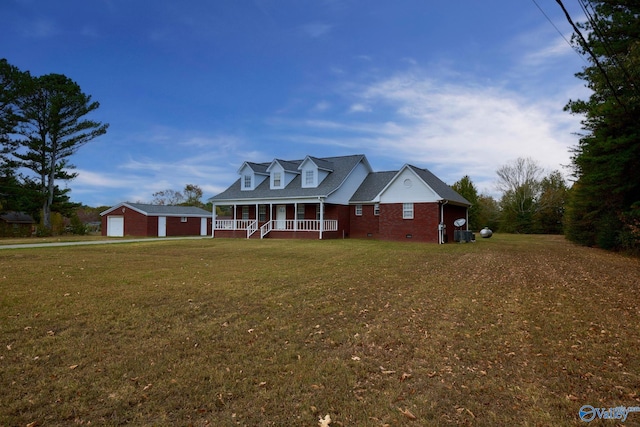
[
  {"x": 136, "y": 224},
  {"x": 366, "y": 225},
  {"x": 422, "y": 228}
]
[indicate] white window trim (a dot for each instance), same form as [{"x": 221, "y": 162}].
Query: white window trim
[
  {"x": 310, "y": 178},
  {"x": 247, "y": 181},
  {"x": 407, "y": 211},
  {"x": 183, "y": 219},
  {"x": 277, "y": 180},
  {"x": 358, "y": 210},
  {"x": 376, "y": 209}
]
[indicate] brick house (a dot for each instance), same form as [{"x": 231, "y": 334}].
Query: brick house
[
  {"x": 138, "y": 219},
  {"x": 337, "y": 197}
]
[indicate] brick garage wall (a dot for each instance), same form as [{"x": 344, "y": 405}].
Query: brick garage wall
[
  {"x": 422, "y": 228},
  {"x": 366, "y": 225},
  {"x": 136, "y": 224}
]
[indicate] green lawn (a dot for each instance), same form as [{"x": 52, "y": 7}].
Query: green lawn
[{"x": 512, "y": 330}]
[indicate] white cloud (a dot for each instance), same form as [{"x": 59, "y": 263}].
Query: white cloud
[
  {"x": 359, "y": 108},
  {"x": 316, "y": 29}
]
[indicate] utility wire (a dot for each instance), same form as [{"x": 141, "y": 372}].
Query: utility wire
[
  {"x": 559, "y": 32},
  {"x": 585, "y": 46},
  {"x": 606, "y": 42}
]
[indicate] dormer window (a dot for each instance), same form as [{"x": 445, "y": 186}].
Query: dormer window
[
  {"x": 277, "y": 179},
  {"x": 309, "y": 178},
  {"x": 246, "y": 182}
]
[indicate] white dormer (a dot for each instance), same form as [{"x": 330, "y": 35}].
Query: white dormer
[
  {"x": 281, "y": 173},
  {"x": 251, "y": 175},
  {"x": 314, "y": 171}
]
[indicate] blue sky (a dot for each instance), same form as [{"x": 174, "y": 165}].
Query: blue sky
[{"x": 191, "y": 89}]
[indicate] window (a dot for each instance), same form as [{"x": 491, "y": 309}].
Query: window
[
  {"x": 183, "y": 219},
  {"x": 407, "y": 211},
  {"x": 318, "y": 211},
  {"x": 309, "y": 178},
  {"x": 277, "y": 179},
  {"x": 358, "y": 210},
  {"x": 300, "y": 212},
  {"x": 247, "y": 181},
  {"x": 376, "y": 209},
  {"x": 262, "y": 213},
  {"x": 245, "y": 212}
]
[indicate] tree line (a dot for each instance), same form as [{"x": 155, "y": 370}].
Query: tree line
[
  {"x": 530, "y": 202},
  {"x": 42, "y": 123}
]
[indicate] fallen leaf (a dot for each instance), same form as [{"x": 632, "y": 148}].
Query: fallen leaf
[
  {"x": 324, "y": 422},
  {"x": 33, "y": 424},
  {"x": 407, "y": 413},
  {"x": 262, "y": 384},
  {"x": 405, "y": 376},
  {"x": 73, "y": 366},
  {"x": 51, "y": 333},
  {"x": 147, "y": 387},
  {"x": 356, "y": 358}
]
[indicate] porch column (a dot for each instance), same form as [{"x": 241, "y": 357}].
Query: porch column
[
  {"x": 235, "y": 221},
  {"x": 213, "y": 221},
  {"x": 321, "y": 218},
  {"x": 257, "y": 219},
  {"x": 295, "y": 216}
]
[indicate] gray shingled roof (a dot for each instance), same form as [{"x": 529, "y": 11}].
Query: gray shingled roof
[
  {"x": 322, "y": 164},
  {"x": 376, "y": 181},
  {"x": 341, "y": 166},
  {"x": 372, "y": 186},
  {"x": 288, "y": 165},
  {"x": 17, "y": 218},
  {"x": 259, "y": 167},
  {"x": 439, "y": 186},
  {"x": 164, "y": 210}
]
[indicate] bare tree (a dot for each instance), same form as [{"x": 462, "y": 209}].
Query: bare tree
[
  {"x": 520, "y": 184},
  {"x": 167, "y": 197}
]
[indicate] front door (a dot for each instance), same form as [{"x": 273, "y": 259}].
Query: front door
[{"x": 281, "y": 217}]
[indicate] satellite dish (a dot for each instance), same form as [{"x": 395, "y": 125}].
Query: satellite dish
[{"x": 459, "y": 222}]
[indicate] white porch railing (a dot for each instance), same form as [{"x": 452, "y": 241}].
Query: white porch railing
[
  {"x": 265, "y": 229},
  {"x": 298, "y": 225},
  {"x": 252, "y": 228},
  {"x": 233, "y": 224},
  {"x": 251, "y": 225}
]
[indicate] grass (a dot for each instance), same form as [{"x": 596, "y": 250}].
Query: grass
[{"x": 512, "y": 330}]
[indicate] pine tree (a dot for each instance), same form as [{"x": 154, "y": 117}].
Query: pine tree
[{"x": 607, "y": 158}]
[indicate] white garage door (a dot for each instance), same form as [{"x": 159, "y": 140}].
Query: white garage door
[{"x": 115, "y": 226}]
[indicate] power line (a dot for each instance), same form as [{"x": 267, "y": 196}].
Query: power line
[
  {"x": 594, "y": 57},
  {"x": 559, "y": 32}
]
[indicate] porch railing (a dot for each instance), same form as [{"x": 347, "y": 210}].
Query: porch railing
[
  {"x": 252, "y": 228},
  {"x": 299, "y": 225},
  {"x": 233, "y": 224},
  {"x": 251, "y": 225},
  {"x": 265, "y": 229}
]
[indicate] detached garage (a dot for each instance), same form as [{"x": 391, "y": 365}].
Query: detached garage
[{"x": 137, "y": 219}]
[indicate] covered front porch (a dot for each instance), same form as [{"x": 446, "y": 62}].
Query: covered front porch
[{"x": 276, "y": 220}]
